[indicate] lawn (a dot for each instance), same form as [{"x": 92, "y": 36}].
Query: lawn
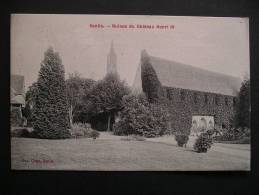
[{"x": 112, "y": 153}]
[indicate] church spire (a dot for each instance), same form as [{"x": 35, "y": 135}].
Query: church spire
[{"x": 112, "y": 60}]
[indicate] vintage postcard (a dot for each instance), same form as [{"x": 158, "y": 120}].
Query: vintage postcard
[{"x": 129, "y": 92}]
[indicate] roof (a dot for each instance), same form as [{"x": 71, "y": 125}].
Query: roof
[
  {"x": 179, "y": 75},
  {"x": 17, "y": 84},
  {"x": 19, "y": 99}
]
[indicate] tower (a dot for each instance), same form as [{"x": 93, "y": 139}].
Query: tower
[{"x": 111, "y": 60}]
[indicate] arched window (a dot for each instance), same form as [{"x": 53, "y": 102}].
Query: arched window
[
  {"x": 194, "y": 124},
  {"x": 217, "y": 100},
  {"x": 168, "y": 94},
  {"x": 182, "y": 95},
  {"x": 194, "y": 128},
  {"x": 234, "y": 101},
  {"x": 226, "y": 101},
  {"x": 203, "y": 124},
  {"x": 195, "y": 98},
  {"x": 206, "y": 99},
  {"x": 210, "y": 125}
]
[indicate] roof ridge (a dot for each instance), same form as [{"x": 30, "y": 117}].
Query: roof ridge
[{"x": 195, "y": 67}]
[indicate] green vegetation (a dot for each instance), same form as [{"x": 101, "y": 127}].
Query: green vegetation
[
  {"x": 203, "y": 143},
  {"x": 50, "y": 111},
  {"x": 106, "y": 97},
  {"x": 140, "y": 117}
]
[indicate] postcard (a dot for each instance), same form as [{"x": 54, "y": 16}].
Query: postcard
[{"x": 130, "y": 93}]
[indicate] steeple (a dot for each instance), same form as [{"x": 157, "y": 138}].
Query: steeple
[{"x": 112, "y": 60}]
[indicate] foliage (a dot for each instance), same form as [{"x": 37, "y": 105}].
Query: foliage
[
  {"x": 94, "y": 134},
  {"x": 83, "y": 130},
  {"x": 233, "y": 134},
  {"x": 244, "y": 140},
  {"x": 22, "y": 132},
  {"x": 242, "y": 110},
  {"x": 16, "y": 118},
  {"x": 50, "y": 113},
  {"x": 203, "y": 143},
  {"x": 140, "y": 117},
  {"x": 181, "y": 139},
  {"x": 106, "y": 96},
  {"x": 180, "y": 115},
  {"x": 77, "y": 88},
  {"x": 77, "y": 130},
  {"x": 30, "y": 99},
  {"x": 150, "y": 83}
]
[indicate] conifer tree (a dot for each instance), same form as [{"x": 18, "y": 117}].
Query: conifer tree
[
  {"x": 242, "y": 115},
  {"x": 51, "y": 119}
]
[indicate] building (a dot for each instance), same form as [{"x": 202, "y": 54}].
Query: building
[
  {"x": 198, "y": 99},
  {"x": 17, "y": 91},
  {"x": 111, "y": 61}
]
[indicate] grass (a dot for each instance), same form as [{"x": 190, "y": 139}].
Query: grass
[
  {"x": 101, "y": 154},
  {"x": 245, "y": 140},
  {"x": 133, "y": 138}
]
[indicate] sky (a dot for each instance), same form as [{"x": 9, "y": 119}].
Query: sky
[{"x": 217, "y": 44}]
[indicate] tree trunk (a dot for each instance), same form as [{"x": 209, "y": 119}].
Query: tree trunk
[
  {"x": 109, "y": 122},
  {"x": 71, "y": 115}
]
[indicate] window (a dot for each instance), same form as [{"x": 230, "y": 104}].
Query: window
[
  {"x": 168, "y": 94},
  {"x": 203, "y": 124},
  {"x": 234, "y": 101},
  {"x": 195, "y": 98},
  {"x": 226, "y": 101},
  {"x": 211, "y": 126},
  {"x": 217, "y": 100},
  {"x": 206, "y": 99},
  {"x": 182, "y": 95}
]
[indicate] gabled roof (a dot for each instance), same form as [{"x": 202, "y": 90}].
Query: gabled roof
[
  {"x": 179, "y": 75},
  {"x": 17, "y": 84}
]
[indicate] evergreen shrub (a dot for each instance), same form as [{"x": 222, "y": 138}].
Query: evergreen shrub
[
  {"x": 181, "y": 139},
  {"x": 50, "y": 113},
  {"x": 203, "y": 143}
]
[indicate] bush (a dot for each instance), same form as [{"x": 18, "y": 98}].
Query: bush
[
  {"x": 121, "y": 128},
  {"x": 22, "y": 132},
  {"x": 139, "y": 117},
  {"x": 233, "y": 134},
  {"x": 203, "y": 143},
  {"x": 83, "y": 130},
  {"x": 181, "y": 139},
  {"x": 16, "y": 118},
  {"x": 94, "y": 134}
]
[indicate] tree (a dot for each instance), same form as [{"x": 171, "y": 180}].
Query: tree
[
  {"x": 150, "y": 83},
  {"x": 30, "y": 98},
  {"x": 242, "y": 113},
  {"x": 106, "y": 95},
  {"x": 138, "y": 116},
  {"x": 51, "y": 108},
  {"x": 77, "y": 88}
]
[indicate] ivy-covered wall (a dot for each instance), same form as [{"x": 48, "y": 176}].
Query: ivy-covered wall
[{"x": 184, "y": 103}]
